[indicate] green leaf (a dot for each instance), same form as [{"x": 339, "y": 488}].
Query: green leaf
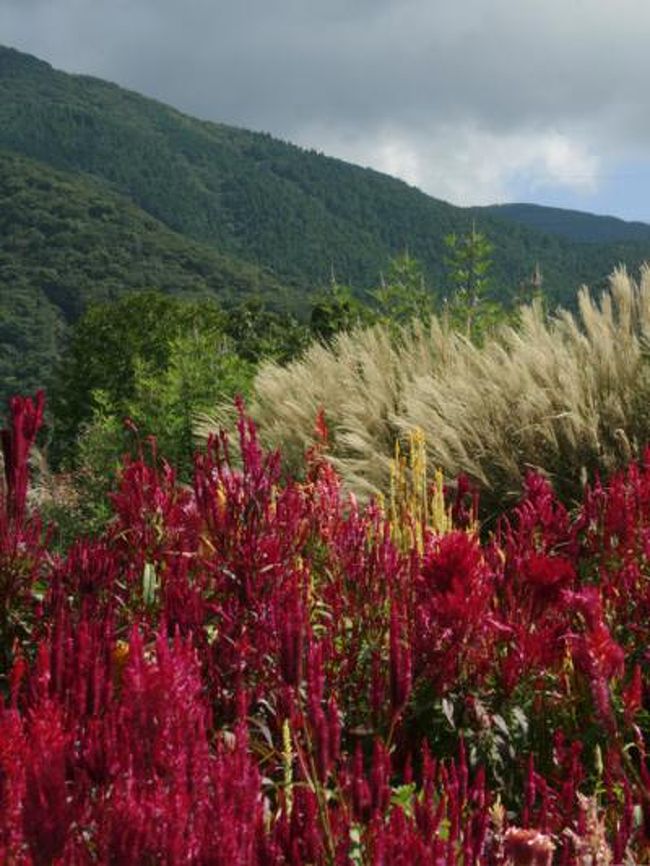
[
  {"x": 448, "y": 710},
  {"x": 356, "y": 852},
  {"x": 402, "y": 796},
  {"x": 500, "y": 723},
  {"x": 519, "y": 716},
  {"x": 150, "y": 585}
]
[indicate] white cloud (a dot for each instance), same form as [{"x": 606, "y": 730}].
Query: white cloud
[
  {"x": 468, "y": 99},
  {"x": 467, "y": 165}
]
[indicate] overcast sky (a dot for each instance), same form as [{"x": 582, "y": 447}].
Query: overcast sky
[{"x": 474, "y": 101}]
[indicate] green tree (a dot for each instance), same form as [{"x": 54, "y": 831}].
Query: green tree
[
  {"x": 158, "y": 362},
  {"x": 107, "y": 347},
  {"x": 402, "y": 294},
  {"x": 468, "y": 263},
  {"x": 201, "y": 372},
  {"x": 337, "y": 309},
  {"x": 259, "y": 332},
  {"x": 164, "y": 405}
]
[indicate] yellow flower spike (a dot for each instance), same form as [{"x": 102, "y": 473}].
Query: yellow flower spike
[
  {"x": 221, "y": 499},
  {"x": 441, "y": 522},
  {"x": 273, "y": 503},
  {"x": 498, "y": 815},
  {"x": 419, "y": 505},
  {"x": 287, "y": 765},
  {"x": 121, "y": 653},
  {"x": 412, "y": 511},
  {"x": 119, "y": 657},
  {"x": 418, "y": 460},
  {"x": 568, "y": 671}
]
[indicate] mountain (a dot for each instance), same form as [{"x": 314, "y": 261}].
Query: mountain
[
  {"x": 571, "y": 224},
  {"x": 298, "y": 213},
  {"x": 105, "y": 191}
]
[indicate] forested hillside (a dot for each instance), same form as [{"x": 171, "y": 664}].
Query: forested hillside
[
  {"x": 574, "y": 225},
  {"x": 67, "y": 241},
  {"x": 302, "y": 214}
]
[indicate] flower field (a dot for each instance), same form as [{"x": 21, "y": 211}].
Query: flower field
[{"x": 254, "y": 670}]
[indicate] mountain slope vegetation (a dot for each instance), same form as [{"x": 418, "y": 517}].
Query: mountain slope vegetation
[
  {"x": 301, "y": 214},
  {"x": 67, "y": 241},
  {"x": 572, "y": 224}
]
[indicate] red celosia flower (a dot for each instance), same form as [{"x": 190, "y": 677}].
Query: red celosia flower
[
  {"x": 453, "y": 625},
  {"x": 26, "y": 418},
  {"x": 547, "y": 575}
]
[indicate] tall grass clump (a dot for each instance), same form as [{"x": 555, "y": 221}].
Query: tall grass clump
[
  {"x": 565, "y": 394},
  {"x": 360, "y": 382}
]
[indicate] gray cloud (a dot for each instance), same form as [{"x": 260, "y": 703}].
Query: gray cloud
[{"x": 460, "y": 97}]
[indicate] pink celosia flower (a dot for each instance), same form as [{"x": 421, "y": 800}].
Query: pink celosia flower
[{"x": 528, "y": 847}]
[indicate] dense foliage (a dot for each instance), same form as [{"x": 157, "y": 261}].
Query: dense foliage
[
  {"x": 67, "y": 242},
  {"x": 146, "y": 365},
  {"x": 251, "y": 671},
  {"x": 162, "y": 361},
  {"x": 572, "y": 224}
]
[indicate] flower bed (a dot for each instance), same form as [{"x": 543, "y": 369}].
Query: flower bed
[{"x": 258, "y": 671}]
